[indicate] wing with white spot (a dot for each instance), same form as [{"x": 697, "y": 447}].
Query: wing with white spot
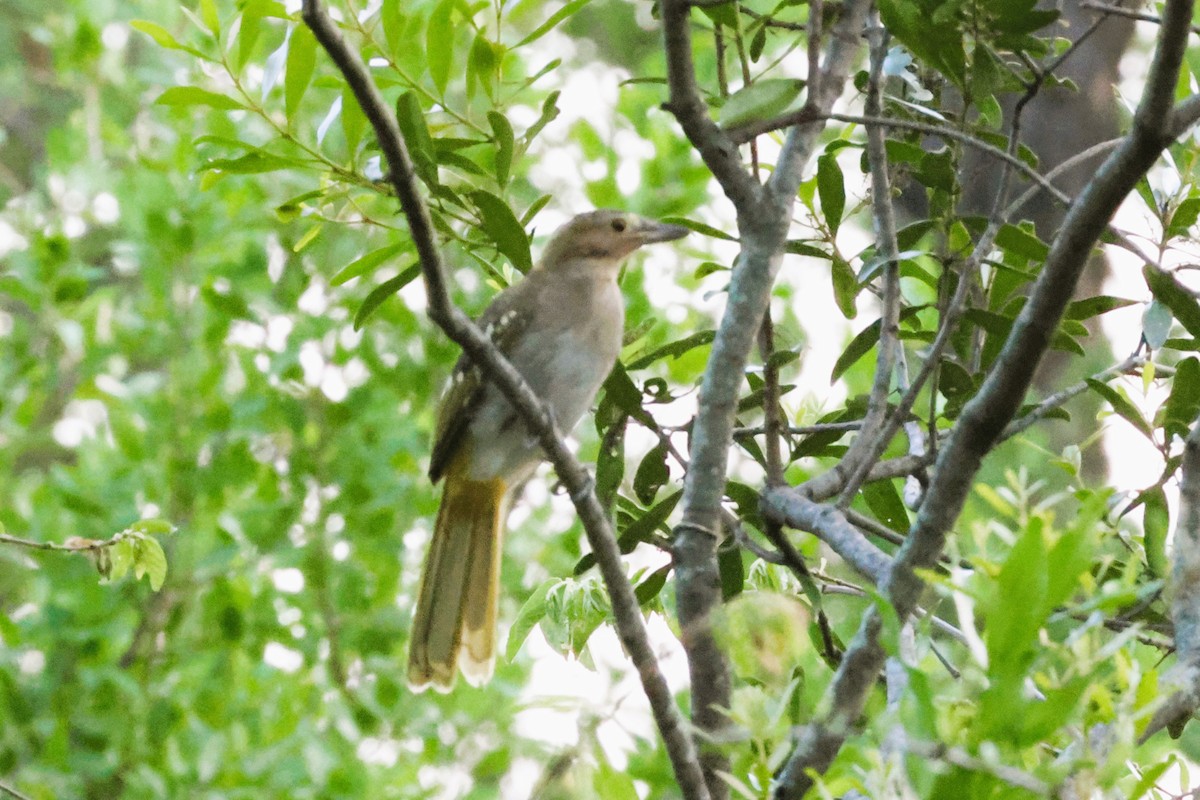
[{"x": 462, "y": 398}]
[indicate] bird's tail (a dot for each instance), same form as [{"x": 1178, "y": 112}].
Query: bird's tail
[{"x": 456, "y": 604}]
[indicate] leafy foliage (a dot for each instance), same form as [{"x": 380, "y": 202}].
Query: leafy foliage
[{"x": 265, "y": 383}]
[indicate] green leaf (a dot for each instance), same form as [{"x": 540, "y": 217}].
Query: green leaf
[
  {"x": 641, "y": 529},
  {"x": 1095, "y": 306},
  {"x": 248, "y": 30},
  {"x": 700, "y": 227},
  {"x": 761, "y": 100},
  {"x": 1156, "y": 523},
  {"x": 731, "y": 571},
  {"x": 859, "y": 346},
  {"x": 249, "y": 164},
  {"x": 1183, "y": 218},
  {"x": 757, "y": 43},
  {"x": 364, "y": 264},
  {"x": 1018, "y": 606},
  {"x": 482, "y": 65},
  {"x": 620, "y": 390},
  {"x": 549, "y": 113},
  {"x": 163, "y": 38},
  {"x": 195, "y": 96},
  {"x": 557, "y": 17},
  {"x": 674, "y": 349},
  {"x": 1122, "y": 405},
  {"x": 382, "y": 292},
  {"x": 832, "y": 191},
  {"x": 502, "y": 130},
  {"x": 998, "y": 327},
  {"x": 637, "y": 531},
  {"x": 1156, "y": 324},
  {"x": 531, "y": 614},
  {"x": 123, "y": 555},
  {"x": 612, "y": 785},
  {"x": 1175, "y": 296},
  {"x": 231, "y": 304},
  {"x": 1022, "y": 242},
  {"x": 610, "y": 460},
  {"x": 1151, "y": 776},
  {"x": 885, "y": 503},
  {"x": 802, "y": 248},
  {"x": 653, "y": 583},
  {"x": 354, "y": 122},
  {"x": 534, "y": 208},
  {"x": 152, "y": 527},
  {"x": 845, "y": 287},
  {"x": 439, "y": 44},
  {"x": 411, "y": 119},
  {"x": 651, "y": 474},
  {"x": 301, "y": 61},
  {"x": 150, "y": 560},
  {"x": 937, "y": 41},
  {"x": 504, "y": 229},
  {"x": 1183, "y": 405},
  {"x": 208, "y": 14}
]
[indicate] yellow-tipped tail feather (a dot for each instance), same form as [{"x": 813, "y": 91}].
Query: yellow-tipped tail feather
[{"x": 456, "y": 604}]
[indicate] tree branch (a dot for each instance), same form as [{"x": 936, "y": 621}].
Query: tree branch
[
  {"x": 863, "y": 451},
  {"x": 720, "y": 155},
  {"x": 788, "y": 507},
  {"x": 8, "y": 791},
  {"x": 483, "y": 353},
  {"x": 763, "y": 220},
  {"x": 985, "y": 417},
  {"x": 1185, "y": 601}
]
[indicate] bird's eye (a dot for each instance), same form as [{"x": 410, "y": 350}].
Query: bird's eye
[{"x": 618, "y": 225}]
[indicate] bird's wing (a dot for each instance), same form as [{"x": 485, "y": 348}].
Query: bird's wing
[{"x": 462, "y": 398}]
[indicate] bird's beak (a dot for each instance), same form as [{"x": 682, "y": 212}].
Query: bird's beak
[{"x": 651, "y": 231}]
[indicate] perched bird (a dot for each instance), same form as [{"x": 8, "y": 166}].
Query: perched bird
[{"x": 561, "y": 327}]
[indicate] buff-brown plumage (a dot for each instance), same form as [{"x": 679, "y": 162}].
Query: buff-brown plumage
[{"x": 561, "y": 328}]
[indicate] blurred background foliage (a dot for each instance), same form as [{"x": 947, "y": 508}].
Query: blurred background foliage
[
  {"x": 208, "y": 314},
  {"x": 171, "y": 346}
]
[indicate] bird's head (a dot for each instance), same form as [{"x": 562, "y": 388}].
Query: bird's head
[{"x": 607, "y": 236}]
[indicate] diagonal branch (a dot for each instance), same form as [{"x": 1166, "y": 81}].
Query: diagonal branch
[
  {"x": 985, "y": 417},
  {"x": 719, "y": 153},
  {"x": 482, "y": 352},
  {"x": 764, "y": 217}
]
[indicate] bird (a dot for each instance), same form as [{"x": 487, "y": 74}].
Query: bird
[{"x": 561, "y": 327}]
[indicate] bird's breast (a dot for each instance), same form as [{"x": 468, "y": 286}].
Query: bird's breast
[{"x": 564, "y": 356}]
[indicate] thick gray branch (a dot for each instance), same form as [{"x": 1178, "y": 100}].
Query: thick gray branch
[
  {"x": 985, "y": 417},
  {"x": 763, "y": 220},
  {"x": 829, "y": 524},
  {"x": 482, "y": 352}
]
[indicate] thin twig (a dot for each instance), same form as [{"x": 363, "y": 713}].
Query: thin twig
[
  {"x": 805, "y": 115},
  {"x": 13, "y": 793},
  {"x": 771, "y": 22},
  {"x": 958, "y": 757},
  {"x": 862, "y": 453},
  {"x": 802, "y": 430},
  {"x": 75, "y": 544},
  {"x": 1059, "y": 399},
  {"x": 1128, "y": 13},
  {"x": 484, "y": 354},
  {"x": 772, "y": 413},
  {"x": 985, "y": 416}
]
